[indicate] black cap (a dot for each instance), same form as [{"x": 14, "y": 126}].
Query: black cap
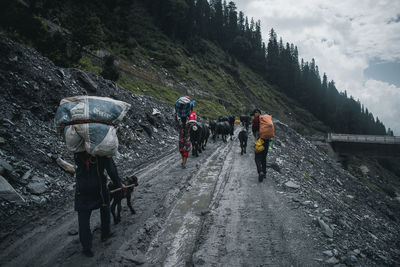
[{"x": 256, "y": 110}]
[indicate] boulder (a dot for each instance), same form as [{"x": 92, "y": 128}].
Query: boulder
[
  {"x": 7, "y": 167},
  {"x": 27, "y": 175},
  {"x": 275, "y": 167},
  {"x": 8, "y": 193},
  {"x": 293, "y": 185},
  {"x": 328, "y": 253},
  {"x": 332, "y": 260},
  {"x": 327, "y": 230},
  {"x": 37, "y": 186}
]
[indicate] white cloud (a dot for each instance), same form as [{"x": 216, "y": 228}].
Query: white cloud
[
  {"x": 343, "y": 37},
  {"x": 382, "y": 99}
]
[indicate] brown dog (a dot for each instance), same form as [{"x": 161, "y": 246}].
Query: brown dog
[{"x": 117, "y": 197}]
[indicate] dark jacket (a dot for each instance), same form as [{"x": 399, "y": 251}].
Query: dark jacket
[{"x": 91, "y": 182}]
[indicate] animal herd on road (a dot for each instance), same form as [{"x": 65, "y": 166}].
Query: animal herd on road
[{"x": 222, "y": 127}]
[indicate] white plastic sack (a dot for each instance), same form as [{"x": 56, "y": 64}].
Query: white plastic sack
[{"x": 96, "y": 137}]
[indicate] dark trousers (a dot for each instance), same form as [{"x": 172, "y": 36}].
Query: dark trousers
[
  {"x": 85, "y": 234},
  {"x": 261, "y": 159}
]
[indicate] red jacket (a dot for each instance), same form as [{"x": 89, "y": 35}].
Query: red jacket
[{"x": 255, "y": 127}]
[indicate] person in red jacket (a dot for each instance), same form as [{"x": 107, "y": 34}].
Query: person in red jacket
[{"x": 255, "y": 127}]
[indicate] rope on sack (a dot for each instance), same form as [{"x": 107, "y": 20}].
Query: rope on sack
[{"x": 63, "y": 125}]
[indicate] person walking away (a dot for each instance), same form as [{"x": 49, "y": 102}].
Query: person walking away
[
  {"x": 92, "y": 193},
  {"x": 262, "y": 132},
  {"x": 255, "y": 126},
  {"x": 184, "y": 139}
]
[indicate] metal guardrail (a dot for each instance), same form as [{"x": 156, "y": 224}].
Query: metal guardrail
[{"x": 354, "y": 138}]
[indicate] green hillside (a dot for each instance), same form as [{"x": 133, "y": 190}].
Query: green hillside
[
  {"x": 151, "y": 63},
  {"x": 220, "y": 84}
]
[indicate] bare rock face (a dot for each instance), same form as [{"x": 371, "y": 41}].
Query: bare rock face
[{"x": 31, "y": 151}]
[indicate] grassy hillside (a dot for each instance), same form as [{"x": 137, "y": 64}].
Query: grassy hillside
[
  {"x": 158, "y": 66},
  {"x": 150, "y": 63}
]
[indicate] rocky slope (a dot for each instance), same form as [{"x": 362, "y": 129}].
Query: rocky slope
[
  {"x": 31, "y": 88},
  {"x": 355, "y": 225},
  {"x": 361, "y": 225}
]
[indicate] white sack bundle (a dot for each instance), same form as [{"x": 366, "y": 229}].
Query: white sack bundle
[{"x": 87, "y": 123}]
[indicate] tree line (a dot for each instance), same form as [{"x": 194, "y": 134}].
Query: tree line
[
  {"x": 93, "y": 23},
  {"x": 277, "y": 62}
]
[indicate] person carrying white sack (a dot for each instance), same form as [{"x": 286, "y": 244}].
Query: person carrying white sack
[{"x": 87, "y": 124}]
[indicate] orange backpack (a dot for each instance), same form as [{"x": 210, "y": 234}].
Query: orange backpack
[{"x": 266, "y": 127}]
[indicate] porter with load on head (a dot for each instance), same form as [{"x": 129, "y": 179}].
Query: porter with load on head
[
  {"x": 263, "y": 131},
  {"x": 183, "y": 108}
]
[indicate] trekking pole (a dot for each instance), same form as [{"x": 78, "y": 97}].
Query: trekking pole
[{"x": 118, "y": 189}]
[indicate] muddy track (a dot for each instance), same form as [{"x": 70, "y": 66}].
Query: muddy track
[
  {"x": 214, "y": 213},
  {"x": 52, "y": 241},
  {"x": 251, "y": 223}
]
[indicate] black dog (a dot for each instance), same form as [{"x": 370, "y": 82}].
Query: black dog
[
  {"x": 243, "y": 141},
  {"x": 117, "y": 197}
]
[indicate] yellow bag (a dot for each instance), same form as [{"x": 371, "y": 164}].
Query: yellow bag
[{"x": 259, "y": 145}]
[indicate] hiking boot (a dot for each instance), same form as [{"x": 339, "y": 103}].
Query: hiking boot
[
  {"x": 261, "y": 176},
  {"x": 105, "y": 237},
  {"x": 88, "y": 253}
]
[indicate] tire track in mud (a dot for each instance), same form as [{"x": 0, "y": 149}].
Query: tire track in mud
[
  {"x": 161, "y": 184},
  {"x": 250, "y": 223},
  {"x": 47, "y": 242},
  {"x": 214, "y": 213},
  {"x": 174, "y": 243}
]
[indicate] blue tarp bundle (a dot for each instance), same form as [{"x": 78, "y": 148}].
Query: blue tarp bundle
[
  {"x": 87, "y": 123},
  {"x": 183, "y": 106}
]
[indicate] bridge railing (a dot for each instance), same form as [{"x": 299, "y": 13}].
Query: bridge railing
[{"x": 381, "y": 139}]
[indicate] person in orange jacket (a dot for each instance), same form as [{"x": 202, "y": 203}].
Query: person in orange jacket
[{"x": 260, "y": 157}]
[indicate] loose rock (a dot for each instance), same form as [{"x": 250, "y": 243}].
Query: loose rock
[
  {"x": 326, "y": 229},
  {"x": 8, "y": 193},
  {"x": 332, "y": 260},
  {"x": 37, "y": 186},
  {"x": 291, "y": 184}
]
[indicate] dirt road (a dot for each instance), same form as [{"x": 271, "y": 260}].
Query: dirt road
[{"x": 214, "y": 213}]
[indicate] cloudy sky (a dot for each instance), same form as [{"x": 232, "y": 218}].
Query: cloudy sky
[{"x": 356, "y": 42}]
